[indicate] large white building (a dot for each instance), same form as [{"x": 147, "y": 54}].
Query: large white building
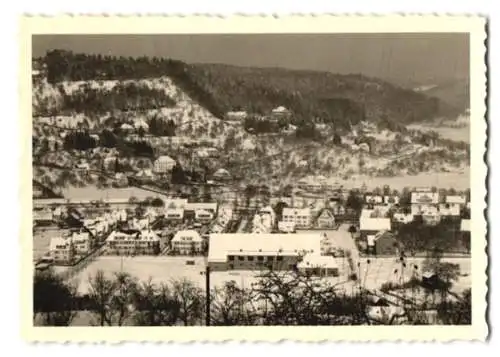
[
  {"x": 133, "y": 243},
  {"x": 300, "y": 216},
  {"x": 61, "y": 250},
  {"x": 240, "y": 251},
  {"x": 174, "y": 214},
  {"x": 187, "y": 242},
  {"x": 82, "y": 242},
  {"x": 163, "y": 164},
  {"x": 424, "y": 202}
]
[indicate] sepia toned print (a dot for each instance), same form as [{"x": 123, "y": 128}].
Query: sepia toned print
[{"x": 253, "y": 178}]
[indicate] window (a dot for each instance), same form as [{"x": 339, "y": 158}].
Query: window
[
  {"x": 231, "y": 257},
  {"x": 260, "y": 259},
  {"x": 279, "y": 259},
  {"x": 250, "y": 259},
  {"x": 270, "y": 259},
  {"x": 241, "y": 258}
]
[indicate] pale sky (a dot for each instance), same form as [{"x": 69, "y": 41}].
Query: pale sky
[{"x": 402, "y": 58}]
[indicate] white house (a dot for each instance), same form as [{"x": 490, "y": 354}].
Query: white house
[
  {"x": 81, "y": 242},
  {"x": 236, "y": 116},
  {"x": 174, "y": 214},
  {"x": 187, "y": 242},
  {"x": 203, "y": 216},
  {"x": 222, "y": 174},
  {"x": 300, "y": 216},
  {"x": 144, "y": 242},
  {"x": 163, "y": 164},
  {"x": 326, "y": 219},
  {"x": 424, "y": 202},
  {"x": 60, "y": 249},
  {"x": 281, "y": 112}
]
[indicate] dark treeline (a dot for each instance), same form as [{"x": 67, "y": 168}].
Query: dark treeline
[
  {"x": 124, "y": 97},
  {"x": 343, "y": 100},
  {"x": 82, "y": 140},
  {"x": 66, "y": 65},
  {"x": 161, "y": 127}
]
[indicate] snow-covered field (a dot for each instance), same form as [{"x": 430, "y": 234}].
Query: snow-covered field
[
  {"x": 165, "y": 269},
  {"x": 93, "y": 193},
  {"x": 457, "y": 180}
]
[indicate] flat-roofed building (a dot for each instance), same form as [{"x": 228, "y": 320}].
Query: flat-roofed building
[{"x": 240, "y": 251}]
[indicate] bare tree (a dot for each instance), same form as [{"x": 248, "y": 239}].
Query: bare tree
[
  {"x": 155, "y": 305},
  {"x": 53, "y": 300},
  {"x": 231, "y": 305},
  {"x": 101, "y": 294},
  {"x": 190, "y": 300},
  {"x": 121, "y": 303},
  {"x": 295, "y": 299}
]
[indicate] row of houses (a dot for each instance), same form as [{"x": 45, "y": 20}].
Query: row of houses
[
  {"x": 66, "y": 248},
  {"x": 276, "y": 114}
]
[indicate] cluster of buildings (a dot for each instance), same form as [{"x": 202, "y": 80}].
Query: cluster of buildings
[
  {"x": 68, "y": 247},
  {"x": 276, "y": 114},
  {"x": 382, "y": 212}
]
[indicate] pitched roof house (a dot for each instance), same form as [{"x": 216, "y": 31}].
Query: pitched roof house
[{"x": 325, "y": 219}]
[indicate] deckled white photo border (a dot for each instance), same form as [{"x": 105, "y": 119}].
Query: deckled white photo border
[{"x": 67, "y": 24}]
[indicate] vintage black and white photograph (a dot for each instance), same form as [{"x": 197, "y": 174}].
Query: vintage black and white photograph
[{"x": 253, "y": 179}]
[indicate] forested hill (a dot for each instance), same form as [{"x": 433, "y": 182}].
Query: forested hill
[{"x": 342, "y": 100}]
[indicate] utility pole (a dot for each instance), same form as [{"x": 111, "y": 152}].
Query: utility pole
[{"x": 207, "y": 291}]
